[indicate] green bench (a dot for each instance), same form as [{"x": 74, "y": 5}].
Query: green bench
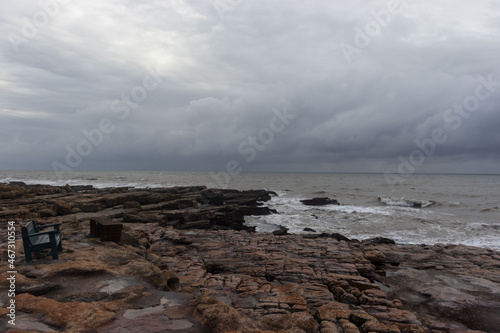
[{"x": 35, "y": 241}]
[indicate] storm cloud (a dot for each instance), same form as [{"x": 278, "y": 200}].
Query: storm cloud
[{"x": 328, "y": 86}]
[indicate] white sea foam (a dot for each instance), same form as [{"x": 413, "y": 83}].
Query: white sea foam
[
  {"x": 285, "y": 205},
  {"x": 402, "y": 223},
  {"x": 296, "y": 216},
  {"x": 404, "y": 202}
]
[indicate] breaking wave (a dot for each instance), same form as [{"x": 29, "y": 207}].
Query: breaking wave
[{"x": 404, "y": 202}]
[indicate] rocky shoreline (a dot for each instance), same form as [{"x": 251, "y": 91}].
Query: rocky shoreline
[{"x": 186, "y": 262}]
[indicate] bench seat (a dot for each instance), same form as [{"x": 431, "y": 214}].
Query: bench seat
[{"x": 45, "y": 239}]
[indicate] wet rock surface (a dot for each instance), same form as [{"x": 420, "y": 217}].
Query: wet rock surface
[
  {"x": 186, "y": 262},
  {"x": 322, "y": 201}
]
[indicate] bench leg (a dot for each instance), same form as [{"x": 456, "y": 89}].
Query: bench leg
[
  {"x": 27, "y": 251},
  {"x": 53, "y": 246},
  {"x": 27, "y": 255}
]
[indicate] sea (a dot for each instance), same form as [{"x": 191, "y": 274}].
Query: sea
[{"x": 421, "y": 209}]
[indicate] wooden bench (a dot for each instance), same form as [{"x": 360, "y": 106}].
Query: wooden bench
[{"x": 36, "y": 241}]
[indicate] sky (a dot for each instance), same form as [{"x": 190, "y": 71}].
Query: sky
[{"x": 387, "y": 86}]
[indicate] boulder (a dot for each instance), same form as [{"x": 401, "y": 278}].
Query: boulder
[
  {"x": 146, "y": 271},
  {"x": 339, "y": 237},
  {"x": 46, "y": 212},
  {"x": 281, "y": 231},
  {"x": 218, "y": 317},
  {"x": 62, "y": 208},
  {"x": 381, "y": 240},
  {"x": 319, "y": 201},
  {"x": 375, "y": 256},
  {"x": 333, "y": 311}
]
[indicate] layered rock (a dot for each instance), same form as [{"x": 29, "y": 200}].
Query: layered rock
[
  {"x": 186, "y": 262},
  {"x": 179, "y": 207}
]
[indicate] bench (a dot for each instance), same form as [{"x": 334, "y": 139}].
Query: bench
[{"x": 35, "y": 241}]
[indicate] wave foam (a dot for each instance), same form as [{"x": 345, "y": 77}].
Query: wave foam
[{"x": 404, "y": 202}]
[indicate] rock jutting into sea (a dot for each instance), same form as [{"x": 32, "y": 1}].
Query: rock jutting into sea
[
  {"x": 319, "y": 201},
  {"x": 186, "y": 262}
]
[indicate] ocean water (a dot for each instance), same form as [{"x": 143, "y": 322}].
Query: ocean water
[{"x": 424, "y": 209}]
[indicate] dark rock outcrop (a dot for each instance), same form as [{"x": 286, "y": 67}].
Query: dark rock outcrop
[
  {"x": 319, "y": 201},
  {"x": 281, "y": 231}
]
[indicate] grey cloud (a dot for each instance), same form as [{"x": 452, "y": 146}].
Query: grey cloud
[{"x": 223, "y": 75}]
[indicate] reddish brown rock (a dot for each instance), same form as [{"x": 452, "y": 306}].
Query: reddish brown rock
[
  {"x": 360, "y": 317},
  {"x": 218, "y": 317},
  {"x": 348, "y": 327},
  {"x": 333, "y": 311},
  {"x": 235, "y": 278},
  {"x": 70, "y": 315},
  {"x": 376, "y": 257},
  {"x": 330, "y": 327},
  {"x": 305, "y": 321},
  {"x": 62, "y": 207}
]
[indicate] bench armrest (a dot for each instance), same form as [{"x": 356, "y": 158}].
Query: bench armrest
[{"x": 41, "y": 227}]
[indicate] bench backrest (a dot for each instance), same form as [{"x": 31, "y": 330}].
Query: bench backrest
[{"x": 29, "y": 229}]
